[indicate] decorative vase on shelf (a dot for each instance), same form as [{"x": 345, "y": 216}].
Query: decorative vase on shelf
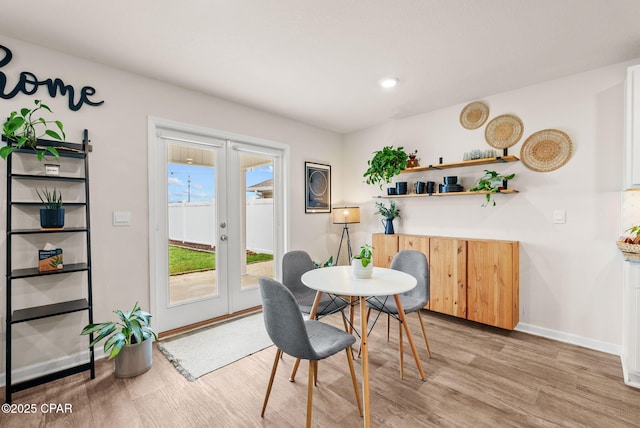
[
  {"x": 360, "y": 271},
  {"x": 388, "y": 226},
  {"x": 51, "y": 218}
]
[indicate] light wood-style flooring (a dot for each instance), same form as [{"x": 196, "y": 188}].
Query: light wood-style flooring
[{"x": 478, "y": 377}]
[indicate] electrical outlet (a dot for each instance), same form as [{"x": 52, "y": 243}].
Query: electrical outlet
[{"x": 559, "y": 216}]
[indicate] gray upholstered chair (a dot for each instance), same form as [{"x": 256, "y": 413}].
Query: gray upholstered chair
[
  {"x": 294, "y": 265},
  {"x": 308, "y": 340},
  {"x": 414, "y": 263}
]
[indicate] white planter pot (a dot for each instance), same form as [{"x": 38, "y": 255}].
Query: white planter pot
[
  {"x": 134, "y": 359},
  {"x": 360, "y": 271}
]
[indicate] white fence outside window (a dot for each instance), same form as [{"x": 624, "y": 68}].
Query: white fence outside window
[{"x": 195, "y": 222}]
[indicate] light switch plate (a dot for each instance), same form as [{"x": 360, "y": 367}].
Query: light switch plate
[
  {"x": 559, "y": 216},
  {"x": 122, "y": 218}
]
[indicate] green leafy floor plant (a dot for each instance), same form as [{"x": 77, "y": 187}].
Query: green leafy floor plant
[{"x": 132, "y": 328}]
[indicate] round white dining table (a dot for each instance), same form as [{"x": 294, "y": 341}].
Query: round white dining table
[{"x": 339, "y": 280}]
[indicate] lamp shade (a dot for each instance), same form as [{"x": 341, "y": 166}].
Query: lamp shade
[{"x": 346, "y": 215}]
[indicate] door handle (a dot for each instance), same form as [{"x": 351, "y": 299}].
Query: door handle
[{"x": 223, "y": 237}]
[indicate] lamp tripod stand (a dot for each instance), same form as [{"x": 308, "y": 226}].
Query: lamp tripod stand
[
  {"x": 345, "y": 231},
  {"x": 345, "y": 216}
]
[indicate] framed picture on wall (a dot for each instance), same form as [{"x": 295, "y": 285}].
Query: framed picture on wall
[{"x": 317, "y": 188}]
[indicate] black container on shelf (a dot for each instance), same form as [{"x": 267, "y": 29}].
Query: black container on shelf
[
  {"x": 401, "y": 188},
  {"x": 51, "y": 218}
]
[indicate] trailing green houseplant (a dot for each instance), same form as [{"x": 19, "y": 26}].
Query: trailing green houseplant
[
  {"x": 22, "y": 129},
  {"x": 385, "y": 164},
  {"x": 491, "y": 182},
  {"x": 133, "y": 328}
]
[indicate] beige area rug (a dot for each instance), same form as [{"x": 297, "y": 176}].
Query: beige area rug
[{"x": 198, "y": 353}]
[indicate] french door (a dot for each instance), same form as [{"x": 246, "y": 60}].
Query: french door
[{"x": 216, "y": 222}]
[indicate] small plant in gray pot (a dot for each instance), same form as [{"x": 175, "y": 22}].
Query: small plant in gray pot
[
  {"x": 128, "y": 341},
  {"x": 52, "y": 215},
  {"x": 361, "y": 262}
]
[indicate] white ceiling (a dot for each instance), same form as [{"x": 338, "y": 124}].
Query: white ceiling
[{"x": 319, "y": 61}]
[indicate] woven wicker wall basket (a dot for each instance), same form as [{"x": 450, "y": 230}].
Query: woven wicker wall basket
[
  {"x": 503, "y": 131},
  {"x": 546, "y": 150},
  {"x": 474, "y": 115}
]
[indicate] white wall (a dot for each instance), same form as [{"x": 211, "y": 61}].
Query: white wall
[
  {"x": 570, "y": 274},
  {"x": 118, "y": 130}
]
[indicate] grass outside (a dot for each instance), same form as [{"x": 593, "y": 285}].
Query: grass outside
[{"x": 182, "y": 260}]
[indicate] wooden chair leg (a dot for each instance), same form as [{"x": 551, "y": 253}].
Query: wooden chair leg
[
  {"x": 353, "y": 379},
  {"x": 273, "y": 374},
  {"x": 312, "y": 368},
  {"x": 344, "y": 321},
  {"x": 315, "y": 374},
  {"x": 424, "y": 333},
  {"x": 294, "y": 370},
  {"x": 401, "y": 351}
]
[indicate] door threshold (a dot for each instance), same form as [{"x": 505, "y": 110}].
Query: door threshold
[{"x": 208, "y": 323}]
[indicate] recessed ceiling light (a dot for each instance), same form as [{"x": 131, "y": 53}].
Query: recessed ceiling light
[{"x": 389, "y": 82}]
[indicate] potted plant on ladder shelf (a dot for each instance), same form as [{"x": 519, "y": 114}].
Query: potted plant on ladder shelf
[
  {"x": 22, "y": 130},
  {"x": 52, "y": 215}
]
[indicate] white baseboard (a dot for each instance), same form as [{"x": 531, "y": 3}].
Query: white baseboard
[
  {"x": 34, "y": 370},
  {"x": 585, "y": 342}
]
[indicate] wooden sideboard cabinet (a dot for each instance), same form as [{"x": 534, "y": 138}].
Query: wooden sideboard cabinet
[
  {"x": 469, "y": 278},
  {"x": 448, "y": 276},
  {"x": 384, "y": 248},
  {"x": 492, "y": 282}
]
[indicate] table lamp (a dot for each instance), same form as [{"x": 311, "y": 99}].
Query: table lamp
[{"x": 346, "y": 216}]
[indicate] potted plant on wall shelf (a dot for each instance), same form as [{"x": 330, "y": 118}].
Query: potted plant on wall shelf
[
  {"x": 385, "y": 164},
  {"x": 22, "y": 129},
  {"x": 52, "y": 215},
  {"x": 361, "y": 263},
  {"x": 128, "y": 341},
  {"x": 491, "y": 182},
  {"x": 389, "y": 213}
]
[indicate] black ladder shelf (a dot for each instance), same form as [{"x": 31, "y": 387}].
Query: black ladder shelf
[{"x": 83, "y": 303}]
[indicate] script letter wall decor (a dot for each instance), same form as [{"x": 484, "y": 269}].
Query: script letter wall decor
[{"x": 29, "y": 84}]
